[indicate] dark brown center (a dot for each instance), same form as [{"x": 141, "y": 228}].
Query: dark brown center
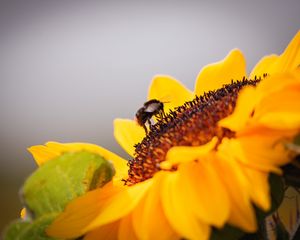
[{"x": 192, "y": 124}]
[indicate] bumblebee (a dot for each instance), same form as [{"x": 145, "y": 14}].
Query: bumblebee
[{"x": 150, "y": 108}]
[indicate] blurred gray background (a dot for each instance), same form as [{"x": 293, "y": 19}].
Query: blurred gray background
[{"x": 68, "y": 68}]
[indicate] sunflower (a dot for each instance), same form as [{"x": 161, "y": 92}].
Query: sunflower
[{"x": 205, "y": 164}]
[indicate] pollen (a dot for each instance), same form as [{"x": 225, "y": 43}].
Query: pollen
[{"x": 192, "y": 124}]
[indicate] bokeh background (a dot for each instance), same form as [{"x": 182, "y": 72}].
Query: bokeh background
[{"x": 68, "y": 68}]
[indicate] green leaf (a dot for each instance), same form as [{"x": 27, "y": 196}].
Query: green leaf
[
  {"x": 281, "y": 232},
  {"x": 297, "y": 234},
  {"x": 51, "y": 187},
  {"x": 226, "y": 233},
  {"x": 15, "y": 230},
  {"x": 277, "y": 192},
  {"x": 291, "y": 173},
  {"x": 25, "y": 230}
]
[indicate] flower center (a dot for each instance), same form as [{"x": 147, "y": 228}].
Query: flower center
[{"x": 192, "y": 124}]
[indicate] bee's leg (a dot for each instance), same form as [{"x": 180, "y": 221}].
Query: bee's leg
[
  {"x": 159, "y": 116},
  {"x": 146, "y": 130},
  {"x": 163, "y": 113},
  {"x": 149, "y": 124}
]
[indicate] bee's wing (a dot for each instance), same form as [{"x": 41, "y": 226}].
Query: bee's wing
[{"x": 152, "y": 107}]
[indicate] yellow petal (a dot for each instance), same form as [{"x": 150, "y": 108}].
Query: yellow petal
[
  {"x": 283, "y": 120},
  {"x": 263, "y": 65},
  {"x": 107, "y": 232},
  {"x": 278, "y": 82},
  {"x": 185, "y": 223},
  {"x": 126, "y": 230},
  {"x": 273, "y": 103},
  {"x": 204, "y": 191},
  {"x": 257, "y": 151},
  {"x": 170, "y": 91},
  {"x": 149, "y": 219},
  {"x": 128, "y": 133},
  {"x": 246, "y": 102},
  {"x": 214, "y": 76},
  {"x": 281, "y": 109},
  {"x": 287, "y": 61},
  {"x": 121, "y": 229},
  {"x": 97, "y": 208},
  {"x": 260, "y": 190},
  {"x": 80, "y": 212},
  {"x": 182, "y": 154},
  {"x": 242, "y": 213},
  {"x": 42, "y": 154},
  {"x": 121, "y": 204}
]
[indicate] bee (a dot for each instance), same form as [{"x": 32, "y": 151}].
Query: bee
[{"x": 151, "y": 108}]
